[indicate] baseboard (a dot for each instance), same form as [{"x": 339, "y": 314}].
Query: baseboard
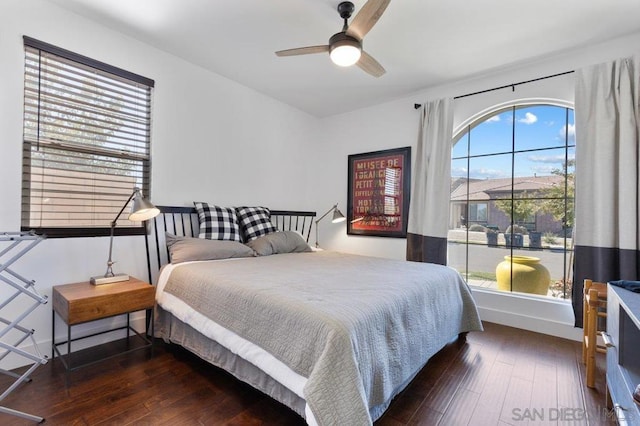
[
  {"x": 539, "y": 325},
  {"x": 137, "y": 321},
  {"x": 539, "y": 314}
]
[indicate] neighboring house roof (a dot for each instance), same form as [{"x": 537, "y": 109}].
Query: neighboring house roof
[{"x": 489, "y": 189}]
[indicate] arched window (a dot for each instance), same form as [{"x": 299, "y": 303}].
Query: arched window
[{"x": 512, "y": 196}]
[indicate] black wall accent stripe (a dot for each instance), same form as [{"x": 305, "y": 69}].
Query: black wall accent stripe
[
  {"x": 602, "y": 264},
  {"x": 422, "y": 248}
]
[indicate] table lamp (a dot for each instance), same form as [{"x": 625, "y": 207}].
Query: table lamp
[
  {"x": 141, "y": 210},
  {"x": 337, "y": 218}
]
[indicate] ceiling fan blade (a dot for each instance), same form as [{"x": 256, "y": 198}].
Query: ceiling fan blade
[
  {"x": 367, "y": 18},
  {"x": 303, "y": 50},
  {"x": 370, "y": 65}
]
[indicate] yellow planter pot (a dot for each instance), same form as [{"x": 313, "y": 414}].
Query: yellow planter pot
[{"x": 529, "y": 275}]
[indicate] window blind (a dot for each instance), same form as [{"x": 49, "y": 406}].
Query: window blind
[{"x": 86, "y": 144}]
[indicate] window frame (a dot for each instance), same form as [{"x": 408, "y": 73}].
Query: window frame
[
  {"x": 64, "y": 148},
  {"x": 463, "y": 130}
]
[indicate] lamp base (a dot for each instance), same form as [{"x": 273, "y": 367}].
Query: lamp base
[{"x": 108, "y": 280}]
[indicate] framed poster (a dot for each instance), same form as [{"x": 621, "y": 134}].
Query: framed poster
[{"x": 378, "y": 193}]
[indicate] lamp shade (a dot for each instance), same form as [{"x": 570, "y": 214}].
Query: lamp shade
[
  {"x": 337, "y": 216},
  {"x": 142, "y": 209}
]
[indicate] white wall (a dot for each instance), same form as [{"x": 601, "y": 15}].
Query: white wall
[
  {"x": 212, "y": 139},
  {"x": 395, "y": 124}
]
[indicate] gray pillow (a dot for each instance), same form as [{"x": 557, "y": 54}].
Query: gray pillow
[
  {"x": 186, "y": 249},
  {"x": 279, "y": 242}
]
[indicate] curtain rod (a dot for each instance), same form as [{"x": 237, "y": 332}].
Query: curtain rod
[{"x": 512, "y": 85}]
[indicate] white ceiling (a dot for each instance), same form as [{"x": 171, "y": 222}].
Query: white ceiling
[{"x": 421, "y": 43}]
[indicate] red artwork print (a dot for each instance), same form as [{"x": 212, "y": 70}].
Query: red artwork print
[{"x": 377, "y": 188}]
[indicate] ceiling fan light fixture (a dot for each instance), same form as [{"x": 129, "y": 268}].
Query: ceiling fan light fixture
[
  {"x": 345, "y": 55},
  {"x": 345, "y": 47},
  {"x": 345, "y": 50}
]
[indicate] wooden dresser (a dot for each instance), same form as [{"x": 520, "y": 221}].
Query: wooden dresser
[{"x": 623, "y": 353}]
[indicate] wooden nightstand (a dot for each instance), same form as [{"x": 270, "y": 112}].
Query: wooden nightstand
[{"x": 83, "y": 302}]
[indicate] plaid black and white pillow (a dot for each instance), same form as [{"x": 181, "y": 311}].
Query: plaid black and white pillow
[
  {"x": 218, "y": 223},
  {"x": 254, "y": 222}
]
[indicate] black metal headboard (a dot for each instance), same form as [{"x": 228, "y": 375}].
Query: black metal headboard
[{"x": 183, "y": 221}]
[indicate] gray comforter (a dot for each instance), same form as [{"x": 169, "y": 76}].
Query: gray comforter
[{"x": 359, "y": 328}]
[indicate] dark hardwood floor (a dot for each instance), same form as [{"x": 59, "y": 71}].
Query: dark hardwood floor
[{"x": 502, "y": 376}]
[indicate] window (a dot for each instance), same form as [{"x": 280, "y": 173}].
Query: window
[
  {"x": 478, "y": 212},
  {"x": 512, "y": 178},
  {"x": 86, "y": 145}
]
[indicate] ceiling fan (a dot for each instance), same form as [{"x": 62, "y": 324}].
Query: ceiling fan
[{"x": 345, "y": 47}]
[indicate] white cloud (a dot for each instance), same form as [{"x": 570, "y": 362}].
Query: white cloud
[
  {"x": 483, "y": 173},
  {"x": 458, "y": 172},
  {"x": 493, "y": 119},
  {"x": 529, "y": 118},
  {"x": 559, "y": 159},
  {"x": 571, "y": 132},
  {"x": 547, "y": 164},
  {"x": 543, "y": 170}
]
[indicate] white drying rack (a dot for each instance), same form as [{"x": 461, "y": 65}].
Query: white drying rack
[{"x": 19, "y": 244}]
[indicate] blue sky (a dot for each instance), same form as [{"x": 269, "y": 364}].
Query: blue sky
[{"x": 542, "y": 126}]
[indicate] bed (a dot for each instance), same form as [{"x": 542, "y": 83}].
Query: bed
[{"x": 333, "y": 336}]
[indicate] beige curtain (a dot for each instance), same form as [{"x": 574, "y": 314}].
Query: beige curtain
[
  {"x": 431, "y": 189},
  {"x": 607, "y": 231}
]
